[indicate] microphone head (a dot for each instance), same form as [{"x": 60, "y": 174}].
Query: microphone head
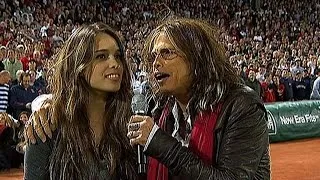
[{"x": 139, "y": 104}]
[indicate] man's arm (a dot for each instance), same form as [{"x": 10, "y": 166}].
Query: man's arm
[{"x": 242, "y": 146}]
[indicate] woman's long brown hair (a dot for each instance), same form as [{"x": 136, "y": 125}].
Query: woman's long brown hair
[{"x": 75, "y": 155}]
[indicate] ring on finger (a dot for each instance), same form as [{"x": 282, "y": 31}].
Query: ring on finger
[
  {"x": 134, "y": 134},
  {"x": 135, "y": 126},
  {"x": 131, "y": 134}
]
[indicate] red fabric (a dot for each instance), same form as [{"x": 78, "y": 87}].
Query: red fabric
[
  {"x": 25, "y": 62},
  {"x": 269, "y": 96},
  {"x": 2, "y": 128},
  {"x": 156, "y": 170},
  {"x": 201, "y": 142},
  {"x": 281, "y": 92},
  {"x": 202, "y": 135},
  {"x": 4, "y": 42},
  {"x": 264, "y": 86}
]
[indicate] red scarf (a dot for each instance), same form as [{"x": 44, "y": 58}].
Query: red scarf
[
  {"x": 201, "y": 141},
  {"x": 2, "y": 128}
]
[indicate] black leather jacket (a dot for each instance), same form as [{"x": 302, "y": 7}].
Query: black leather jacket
[{"x": 241, "y": 144}]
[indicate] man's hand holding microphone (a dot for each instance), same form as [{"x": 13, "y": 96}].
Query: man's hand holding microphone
[{"x": 139, "y": 129}]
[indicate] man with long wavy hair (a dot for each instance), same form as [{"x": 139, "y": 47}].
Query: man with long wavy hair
[{"x": 207, "y": 124}]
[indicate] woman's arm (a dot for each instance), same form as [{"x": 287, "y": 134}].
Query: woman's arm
[{"x": 36, "y": 162}]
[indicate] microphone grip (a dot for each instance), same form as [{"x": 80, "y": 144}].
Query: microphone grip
[{"x": 142, "y": 161}]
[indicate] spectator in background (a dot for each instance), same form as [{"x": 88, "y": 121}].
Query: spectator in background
[
  {"x": 315, "y": 93},
  {"x": 261, "y": 74},
  {"x": 268, "y": 88},
  {"x": 41, "y": 82},
  {"x": 280, "y": 89},
  {"x": 300, "y": 91},
  {"x": 4, "y": 90},
  {"x": 9, "y": 157},
  {"x": 17, "y": 80},
  {"x": 38, "y": 59},
  {"x": 243, "y": 74},
  {"x": 306, "y": 78},
  {"x": 141, "y": 85},
  {"x": 287, "y": 81},
  {"x": 269, "y": 94},
  {"x": 22, "y": 95},
  {"x": 12, "y": 64},
  {"x": 2, "y": 57},
  {"x": 21, "y": 143},
  {"x": 26, "y": 58},
  {"x": 32, "y": 66},
  {"x": 296, "y": 67},
  {"x": 253, "y": 83}
]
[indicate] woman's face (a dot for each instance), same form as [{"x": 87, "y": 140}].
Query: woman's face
[
  {"x": 107, "y": 68},
  {"x": 24, "y": 118}
]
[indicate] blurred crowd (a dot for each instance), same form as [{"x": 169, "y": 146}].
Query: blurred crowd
[{"x": 273, "y": 45}]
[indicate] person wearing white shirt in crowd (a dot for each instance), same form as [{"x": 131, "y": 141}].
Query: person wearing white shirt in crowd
[{"x": 315, "y": 92}]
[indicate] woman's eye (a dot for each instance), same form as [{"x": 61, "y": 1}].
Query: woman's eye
[{"x": 101, "y": 56}]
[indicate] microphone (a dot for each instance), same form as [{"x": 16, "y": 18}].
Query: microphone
[{"x": 139, "y": 106}]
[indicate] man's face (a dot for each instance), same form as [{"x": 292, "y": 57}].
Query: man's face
[
  {"x": 26, "y": 81},
  {"x": 11, "y": 54},
  {"x": 7, "y": 79},
  {"x": 285, "y": 73},
  {"x": 252, "y": 75},
  {"x": 3, "y": 51},
  {"x": 171, "y": 70},
  {"x": 262, "y": 70},
  {"x": 36, "y": 55},
  {"x": 32, "y": 65},
  {"x": 278, "y": 72}
]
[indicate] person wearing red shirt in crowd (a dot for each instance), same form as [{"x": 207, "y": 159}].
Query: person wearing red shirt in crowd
[
  {"x": 2, "y": 43},
  {"x": 269, "y": 94},
  {"x": 268, "y": 88},
  {"x": 45, "y": 46},
  {"x": 26, "y": 58},
  {"x": 280, "y": 91},
  {"x": 7, "y": 38}
]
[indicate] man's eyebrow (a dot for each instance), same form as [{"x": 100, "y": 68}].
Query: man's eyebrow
[{"x": 162, "y": 47}]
